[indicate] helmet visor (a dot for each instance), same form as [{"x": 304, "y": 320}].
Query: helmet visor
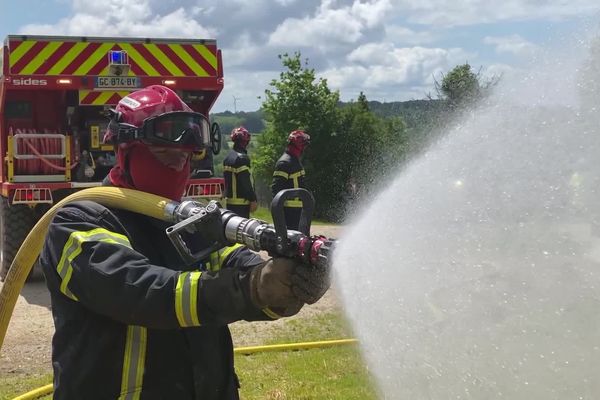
[{"x": 180, "y": 128}]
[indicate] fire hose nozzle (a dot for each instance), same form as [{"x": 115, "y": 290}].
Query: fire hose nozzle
[{"x": 221, "y": 227}]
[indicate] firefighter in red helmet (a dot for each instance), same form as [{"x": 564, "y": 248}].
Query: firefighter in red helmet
[
  {"x": 289, "y": 174},
  {"x": 133, "y": 320},
  {"x": 239, "y": 191}
]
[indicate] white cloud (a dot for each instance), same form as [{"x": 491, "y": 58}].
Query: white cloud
[
  {"x": 122, "y": 18},
  {"x": 331, "y": 26},
  {"x": 377, "y": 65},
  {"x": 401, "y": 35},
  {"x": 390, "y": 49},
  {"x": 468, "y": 12},
  {"x": 513, "y": 44}
]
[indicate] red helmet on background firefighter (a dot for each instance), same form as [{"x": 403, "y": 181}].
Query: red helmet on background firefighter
[
  {"x": 298, "y": 139},
  {"x": 289, "y": 174},
  {"x": 240, "y": 196},
  {"x": 240, "y": 136}
]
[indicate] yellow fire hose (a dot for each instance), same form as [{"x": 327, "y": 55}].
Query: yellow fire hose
[
  {"x": 48, "y": 389},
  {"x": 127, "y": 199}
]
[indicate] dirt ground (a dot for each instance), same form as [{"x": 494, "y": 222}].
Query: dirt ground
[{"x": 27, "y": 346}]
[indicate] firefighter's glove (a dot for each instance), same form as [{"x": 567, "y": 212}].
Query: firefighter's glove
[
  {"x": 287, "y": 283},
  {"x": 309, "y": 283},
  {"x": 271, "y": 287}
]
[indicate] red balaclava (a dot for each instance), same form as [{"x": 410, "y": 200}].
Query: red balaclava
[
  {"x": 137, "y": 168},
  {"x": 294, "y": 150}
]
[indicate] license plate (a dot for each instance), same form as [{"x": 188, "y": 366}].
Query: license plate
[{"x": 111, "y": 82}]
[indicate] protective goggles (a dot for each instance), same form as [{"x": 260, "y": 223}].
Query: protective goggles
[{"x": 178, "y": 128}]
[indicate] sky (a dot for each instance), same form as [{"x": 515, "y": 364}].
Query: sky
[{"x": 392, "y": 50}]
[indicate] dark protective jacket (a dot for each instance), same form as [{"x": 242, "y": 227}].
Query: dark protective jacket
[
  {"x": 289, "y": 174},
  {"x": 132, "y": 321},
  {"x": 238, "y": 179}
]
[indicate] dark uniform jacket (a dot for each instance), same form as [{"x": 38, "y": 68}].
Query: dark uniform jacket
[
  {"x": 289, "y": 174},
  {"x": 133, "y": 322},
  {"x": 238, "y": 181}
]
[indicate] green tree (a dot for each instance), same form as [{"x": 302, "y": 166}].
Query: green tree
[
  {"x": 297, "y": 100},
  {"x": 368, "y": 150},
  {"x": 463, "y": 87}
]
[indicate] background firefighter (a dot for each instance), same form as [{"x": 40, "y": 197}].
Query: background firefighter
[
  {"x": 132, "y": 320},
  {"x": 239, "y": 191},
  {"x": 289, "y": 173}
]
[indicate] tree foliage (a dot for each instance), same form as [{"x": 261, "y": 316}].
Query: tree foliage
[
  {"x": 346, "y": 142},
  {"x": 297, "y": 100},
  {"x": 463, "y": 87}
]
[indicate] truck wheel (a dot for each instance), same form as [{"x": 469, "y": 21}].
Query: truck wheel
[{"x": 15, "y": 223}]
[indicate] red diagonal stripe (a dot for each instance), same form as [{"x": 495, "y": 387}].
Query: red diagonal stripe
[
  {"x": 89, "y": 98},
  {"x": 27, "y": 57},
  {"x": 137, "y": 70},
  {"x": 114, "y": 99},
  {"x": 150, "y": 59},
  {"x": 187, "y": 71},
  {"x": 199, "y": 59},
  {"x": 76, "y": 63},
  {"x": 50, "y": 61}
]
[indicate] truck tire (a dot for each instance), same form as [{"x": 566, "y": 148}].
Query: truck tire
[{"x": 15, "y": 223}]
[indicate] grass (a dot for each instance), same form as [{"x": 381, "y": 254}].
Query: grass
[
  {"x": 13, "y": 386},
  {"x": 336, "y": 373},
  {"x": 333, "y": 373},
  {"x": 264, "y": 214}
]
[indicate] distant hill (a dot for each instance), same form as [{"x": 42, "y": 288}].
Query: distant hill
[
  {"x": 413, "y": 112},
  {"x": 253, "y": 120}
]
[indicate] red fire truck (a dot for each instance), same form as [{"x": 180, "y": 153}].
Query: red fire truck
[{"x": 55, "y": 93}]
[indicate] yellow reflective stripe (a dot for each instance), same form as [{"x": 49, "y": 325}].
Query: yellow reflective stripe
[
  {"x": 73, "y": 248},
  {"x": 270, "y": 313},
  {"x": 213, "y": 264},
  {"x": 234, "y": 186},
  {"x": 235, "y": 200},
  {"x": 281, "y": 173},
  {"x": 238, "y": 201},
  {"x": 295, "y": 177},
  {"x": 20, "y": 51},
  {"x": 217, "y": 258},
  {"x": 40, "y": 58},
  {"x": 236, "y": 170},
  {"x": 134, "y": 361},
  {"x": 93, "y": 59},
  {"x": 298, "y": 174},
  {"x": 65, "y": 60},
  {"x": 188, "y": 60},
  {"x": 292, "y": 203},
  {"x": 164, "y": 60},
  {"x": 139, "y": 59},
  {"x": 207, "y": 55},
  {"x": 225, "y": 252},
  {"x": 103, "y": 98},
  {"x": 186, "y": 298}
]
